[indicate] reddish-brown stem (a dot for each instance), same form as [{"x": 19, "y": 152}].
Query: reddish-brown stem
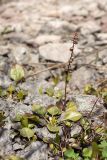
[{"x": 69, "y": 65}]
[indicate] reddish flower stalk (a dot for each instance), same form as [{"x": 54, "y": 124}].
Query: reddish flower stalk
[{"x": 74, "y": 42}]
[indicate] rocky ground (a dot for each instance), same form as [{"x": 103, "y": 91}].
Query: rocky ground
[{"x": 37, "y": 34}]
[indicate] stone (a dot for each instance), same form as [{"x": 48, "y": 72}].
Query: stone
[
  {"x": 74, "y": 10},
  {"x": 42, "y": 39},
  {"x": 102, "y": 36},
  {"x": 5, "y": 81},
  {"x": 21, "y": 54},
  {"x": 103, "y": 55},
  {"x": 75, "y": 130},
  {"x": 24, "y": 55},
  {"x": 36, "y": 149},
  {"x": 83, "y": 76},
  {"x": 3, "y": 50},
  {"x": 44, "y": 133},
  {"x": 89, "y": 27},
  {"x": 57, "y": 51},
  {"x": 17, "y": 146},
  {"x": 85, "y": 104},
  {"x": 34, "y": 58}
]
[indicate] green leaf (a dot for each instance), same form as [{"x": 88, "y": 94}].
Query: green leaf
[
  {"x": 33, "y": 118},
  {"x": 87, "y": 152},
  {"x": 54, "y": 110},
  {"x": 58, "y": 94},
  {"x": 57, "y": 139},
  {"x": 103, "y": 147},
  {"x": 17, "y": 73},
  {"x": 71, "y": 106},
  {"x": 56, "y": 80},
  {"x": 13, "y": 157},
  {"x": 40, "y": 90},
  {"x": 24, "y": 121},
  {"x": 71, "y": 154},
  {"x": 21, "y": 95},
  {"x": 69, "y": 115},
  {"x": 38, "y": 109},
  {"x": 88, "y": 89},
  {"x": 50, "y": 92},
  {"x": 103, "y": 144},
  {"x": 11, "y": 89},
  {"x": 104, "y": 152},
  {"x": 26, "y": 132},
  {"x": 31, "y": 125},
  {"x": 85, "y": 123},
  {"x": 53, "y": 128}
]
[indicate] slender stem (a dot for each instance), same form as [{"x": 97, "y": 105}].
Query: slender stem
[{"x": 68, "y": 67}]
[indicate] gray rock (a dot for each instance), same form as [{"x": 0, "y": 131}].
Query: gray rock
[
  {"x": 57, "y": 51},
  {"x": 102, "y": 36},
  {"x": 24, "y": 55},
  {"x": 75, "y": 130},
  {"x": 34, "y": 95},
  {"x": 85, "y": 104},
  {"x": 46, "y": 38},
  {"x": 89, "y": 27},
  {"x": 36, "y": 150},
  {"x": 5, "y": 81},
  {"x": 3, "y": 50},
  {"x": 17, "y": 146},
  {"x": 58, "y": 27},
  {"x": 5, "y": 142},
  {"x": 71, "y": 10},
  {"x": 103, "y": 55},
  {"x": 44, "y": 133},
  {"x": 82, "y": 76}
]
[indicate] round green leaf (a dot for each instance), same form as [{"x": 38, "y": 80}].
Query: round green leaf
[
  {"x": 71, "y": 106},
  {"x": 53, "y": 128},
  {"x": 13, "y": 157},
  {"x": 87, "y": 152},
  {"x": 26, "y": 132},
  {"x": 17, "y": 73},
  {"x": 50, "y": 92},
  {"x": 104, "y": 152},
  {"x": 73, "y": 116},
  {"x": 71, "y": 154},
  {"x": 39, "y": 109},
  {"x": 54, "y": 110},
  {"x": 24, "y": 121}
]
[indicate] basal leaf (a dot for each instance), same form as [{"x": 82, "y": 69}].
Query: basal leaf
[
  {"x": 54, "y": 110},
  {"x": 69, "y": 115},
  {"x": 38, "y": 109},
  {"x": 69, "y": 153},
  {"x": 24, "y": 121},
  {"x": 17, "y": 73},
  {"x": 71, "y": 106},
  {"x": 104, "y": 152},
  {"x": 87, "y": 152},
  {"x": 53, "y": 128},
  {"x": 21, "y": 95},
  {"x": 50, "y": 92},
  {"x": 13, "y": 157},
  {"x": 26, "y": 132}
]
